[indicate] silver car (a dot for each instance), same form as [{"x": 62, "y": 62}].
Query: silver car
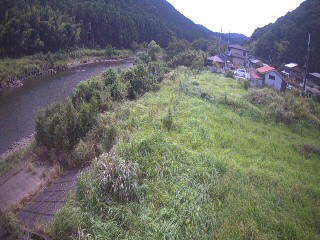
[{"x": 241, "y": 73}]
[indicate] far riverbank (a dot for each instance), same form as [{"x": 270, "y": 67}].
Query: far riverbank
[{"x": 14, "y": 71}]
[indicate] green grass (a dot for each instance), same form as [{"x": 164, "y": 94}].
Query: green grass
[{"x": 223, "y": 169}]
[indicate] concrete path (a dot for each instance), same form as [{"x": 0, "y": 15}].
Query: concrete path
[
  {"x": 43, "y": 208},
  {"x": 17, "y": 184}
]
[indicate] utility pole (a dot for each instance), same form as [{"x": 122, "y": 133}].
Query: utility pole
[{"x": 306, "y": 68}]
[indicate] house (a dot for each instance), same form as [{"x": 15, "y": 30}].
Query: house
[
  {"x": 254, "y": 63},
  {"x": 219, "y": 60},
  {"x": 256, "y": 80},
  {"x": 293, "y": 72},
  {"x": 267, "y": 76},
  {"x": 314, "y": 79},
  {"x": 238, "y": 55},
  {"x": 313, "y": 85}
]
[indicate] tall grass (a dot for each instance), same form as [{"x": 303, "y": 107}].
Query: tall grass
[{"x": 226, "y": 170}]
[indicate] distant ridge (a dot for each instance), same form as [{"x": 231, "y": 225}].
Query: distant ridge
[
  {"x": 30, "y": 26},
  {"x": 286, "y": 40}
]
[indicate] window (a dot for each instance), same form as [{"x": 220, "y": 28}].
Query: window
[{"x": 272, "y": 77}]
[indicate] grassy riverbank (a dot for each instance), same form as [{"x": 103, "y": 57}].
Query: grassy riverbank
[
  {"x": 202, "y": 158},
  {"x": 12, "y": 69}
]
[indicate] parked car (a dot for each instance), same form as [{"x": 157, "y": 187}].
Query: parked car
[
  {"x": 241, "y": 73},
  {"x": 289, "y": 87}
]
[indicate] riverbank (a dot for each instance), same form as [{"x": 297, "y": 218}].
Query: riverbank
[
  {"x": 17, "y": 145},
  {"x": 14, "y": 71},
  {"x": 19, "y": 106}
]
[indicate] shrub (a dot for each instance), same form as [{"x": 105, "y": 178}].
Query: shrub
[
  {"x": 185, "y": 58},
  {"x": 84, "y": 153},
  {"x": 167, "y": 121},
  {"x": 140, "y": 82},
  {"x": 229, "y": 74},
  {"x": 286, "y": 108},
  {"x": 109, "y": 138},
  {"x": 67, "y": 221},
  {"x": 56, "y": 127},
  {"x": 246, "y": 85},
  {"x": 86, "y": 91},
  {"x": 307, "y": 149},
  {"x": 142, "y": 58},
  {"x": 110, "y": 76},
  {"x": 119, "y": 180},
  {"x": 118, "y": 90}
]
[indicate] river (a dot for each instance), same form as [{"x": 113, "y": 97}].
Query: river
[{"x": 19, "y": 106}]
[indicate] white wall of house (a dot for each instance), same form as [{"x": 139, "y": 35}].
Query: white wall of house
[
  {"x": 255, "y": 83},
  {"x": 273, "y": 79}
]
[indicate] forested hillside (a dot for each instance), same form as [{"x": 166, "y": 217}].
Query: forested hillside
[
  {"x": 286, "y": 40},
  {"x": 29, "y": 26}
]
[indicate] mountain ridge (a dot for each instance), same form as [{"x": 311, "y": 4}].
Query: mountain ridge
[
  {"x": 31, "y": 26},
  {"x": 286, "y": 40}
]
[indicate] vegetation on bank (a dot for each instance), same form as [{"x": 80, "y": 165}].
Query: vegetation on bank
[
  {"x": 61, "y": 126},
  {"x": 201, "y": 158},
  {"x": 12, "y": 69}
]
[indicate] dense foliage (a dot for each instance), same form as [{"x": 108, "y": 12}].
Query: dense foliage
[
  {"x": 287, "y": 39},
  {"x": 29, "y": 26},
  {"x": 61, "y": 126}
]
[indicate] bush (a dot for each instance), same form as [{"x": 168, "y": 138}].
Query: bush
[
  {"x": 67, "y": 222},
  {"x": 246, "y": 85},
  {"x": 229, "y": 74},
  {"x": 118, "y": 90},
  {"x": 84, "y": 153},
  {"x": 56, "y": 127},
  {"x": 286, "y": 108},
  {"x": 110, "y": 76},
  {"x": 167, "y": 121},
  {"x": 119, "y": 180},
  {"x": 109, "y": 138}
]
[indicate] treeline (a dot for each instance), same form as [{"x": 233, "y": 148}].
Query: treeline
[
  {"x": 287, "y": 39},
  {"x": 31, "y": 26}
]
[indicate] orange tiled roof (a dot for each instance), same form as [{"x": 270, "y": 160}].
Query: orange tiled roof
[
  {"x": 255, "y": 76},
  {"x": 265, "y": 69}
]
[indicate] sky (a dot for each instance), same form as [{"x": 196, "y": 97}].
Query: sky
[{"x": 238, "y": 16}]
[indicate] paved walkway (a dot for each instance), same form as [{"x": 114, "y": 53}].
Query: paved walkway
[
  {"x": 43, "y": 208},
  {"x": 16, "y": 184}
]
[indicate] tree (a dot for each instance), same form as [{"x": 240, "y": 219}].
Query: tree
[{"x": 153, "y": 50}]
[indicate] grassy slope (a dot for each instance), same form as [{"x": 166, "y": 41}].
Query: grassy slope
[{"x": 219, "y": 173}]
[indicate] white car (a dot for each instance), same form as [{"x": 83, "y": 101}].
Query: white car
[{"x": 241, "y": 73}]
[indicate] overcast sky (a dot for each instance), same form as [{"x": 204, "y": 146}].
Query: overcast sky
[{"x": 240, "y": 16}]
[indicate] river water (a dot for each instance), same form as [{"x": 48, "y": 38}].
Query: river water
[{"x": 19, "y": 106}]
